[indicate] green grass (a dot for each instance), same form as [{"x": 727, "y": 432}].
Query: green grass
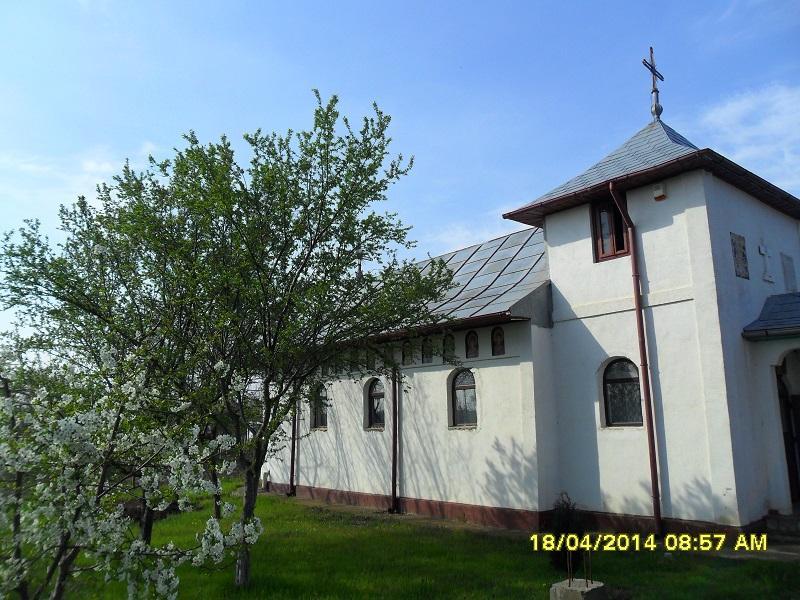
[{"x": 315, "y": 551}]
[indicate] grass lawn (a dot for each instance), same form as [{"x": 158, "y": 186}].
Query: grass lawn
[{"x": 309, "y": 550}]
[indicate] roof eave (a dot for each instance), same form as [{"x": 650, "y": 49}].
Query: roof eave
[
  {"x": 768, "y": 333},
  {"x": 497, "y": 318},
  {"x": 708, "y": 159}
]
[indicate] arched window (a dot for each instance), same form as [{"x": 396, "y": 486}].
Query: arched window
[
  {"x": 427, "y": 350},
  {"x": 370, "y": 359},
  {"x": 449, "y": 346},
  {"x": 498, "y": 341},
  {"x": 375, "y": 405},
  {"x": 621, "y": 394},
  {"x": 471, "y": 343},
  {"x": 408, "y": 354},
  {"x": 465, "y": 410},
  {"x": 319, "y": 409}
]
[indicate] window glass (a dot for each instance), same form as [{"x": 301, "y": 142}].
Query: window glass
[
  {"x": 621, "y": 393},
  {"x": 427, "y": 350},
  {"x": 375, "y": 417},
  {"x": 471, "y": 343},
  {"x": 319, "y": 409},
  {"x": 609, "y": 232},
  {"x": 465, "y": 410},
  {"x": 449, "y": 346},
  {"x": 605, "y": 232},
  {"x": 370, "y": 359},
  {"x": 408, "y": 355},
  {"x": 498, "y": 341}
]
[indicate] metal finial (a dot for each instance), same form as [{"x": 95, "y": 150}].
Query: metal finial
[{"x": 655, "y": 108}]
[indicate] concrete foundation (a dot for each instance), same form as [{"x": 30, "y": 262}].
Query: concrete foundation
[{"x": 580, "y": 589}]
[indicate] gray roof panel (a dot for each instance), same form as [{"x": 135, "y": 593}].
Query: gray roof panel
[
  {"x": 655, "y": 144},
  {"x": 486, "y": 274},
  {"x": 780, "y": 315},
  {"x": 471, "y": 267}
]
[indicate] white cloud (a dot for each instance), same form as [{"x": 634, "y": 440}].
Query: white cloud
[
  {"x": 147, "y": 148},
  {"x": 759, "y": 129},
  {"x": 33, "y": 186}
]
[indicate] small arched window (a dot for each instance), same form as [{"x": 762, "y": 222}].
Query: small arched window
[
  {"x": 427, "y": 350},
  {"x": 370, "y": 359},
  {"x": 375, "y": 405},
  {"x": 498, "y": 341},
  {"x": 621, "y": 393},
  {"x": 407, "y": 353},
  {"x": 465, "y": 410},
  {"x": 471, "y": 343},
  {"x": 449, "y": 347},
  {"x": 319, "y": 408}
]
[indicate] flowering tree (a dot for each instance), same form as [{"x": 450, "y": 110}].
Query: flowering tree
[
  {"x": 234, "y": 285},
  {"x": 73, "y": 449}
]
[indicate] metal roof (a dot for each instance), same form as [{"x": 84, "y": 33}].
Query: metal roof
[
  {"x": 653, "y": 145},
  {"x": 652, "y": 154},
  {"x": 493, "y": 277},
  {"x": 780, "y": 316}
]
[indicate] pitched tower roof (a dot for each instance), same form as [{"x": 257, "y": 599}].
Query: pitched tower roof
[
  {"x": 651, "y": 146},
  {"x": 654, "y": 153}
]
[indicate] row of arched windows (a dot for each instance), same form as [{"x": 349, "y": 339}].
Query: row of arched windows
[
  {"x": 622, "y": 405},
  {"x": 350, "y": 360},
  {"x": 463, "y": 403},
  {"x": 471, "y": 347}
]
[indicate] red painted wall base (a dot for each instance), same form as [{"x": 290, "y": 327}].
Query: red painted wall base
[{"x": 509, "y": 518}]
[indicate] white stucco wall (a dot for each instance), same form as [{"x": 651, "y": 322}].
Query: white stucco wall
[
  {"x": 606, "y": 468},
  {"x": 541, "y": 426},
  {"x": 493, "y": 464},
  {"x": 749, "y": 366}
]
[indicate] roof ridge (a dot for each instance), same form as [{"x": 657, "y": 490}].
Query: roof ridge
[
  {"x": 675, "y": 136},
  {"x": 654, "y": 144}
]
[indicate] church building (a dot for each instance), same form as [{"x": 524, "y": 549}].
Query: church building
[{"x": 637, "y": 347}]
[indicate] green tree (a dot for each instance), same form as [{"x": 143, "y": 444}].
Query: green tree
[{"x": 238, "y": 283}]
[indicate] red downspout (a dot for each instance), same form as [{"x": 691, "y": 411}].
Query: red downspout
[
  {"x": 645, "y": 369},
  {"x": 292, "y": 486},
  {"x": 394, "y": 508}
]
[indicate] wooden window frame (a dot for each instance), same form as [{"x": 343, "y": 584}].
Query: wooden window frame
[
  {"x": 616, "y": 221},
  {"x": 608, "y": 422}
]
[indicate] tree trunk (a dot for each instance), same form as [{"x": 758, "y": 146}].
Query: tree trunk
[
  {"x": 242, "y": 578},
  {"x": 146, "y": 524},
  {"x": 217, "y": 495},
  {"x": 64, "y": 571}
]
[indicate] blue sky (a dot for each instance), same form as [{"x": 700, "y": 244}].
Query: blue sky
[{"x": 497, "y": 101}]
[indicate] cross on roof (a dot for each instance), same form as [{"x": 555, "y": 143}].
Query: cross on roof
[{"x": 655, "y": 109}]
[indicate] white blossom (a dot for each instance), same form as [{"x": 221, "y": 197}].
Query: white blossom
[{"x": 60, "y": 442}]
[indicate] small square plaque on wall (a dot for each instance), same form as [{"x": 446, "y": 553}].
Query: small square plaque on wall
[{"x": 739, "y": 256}]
